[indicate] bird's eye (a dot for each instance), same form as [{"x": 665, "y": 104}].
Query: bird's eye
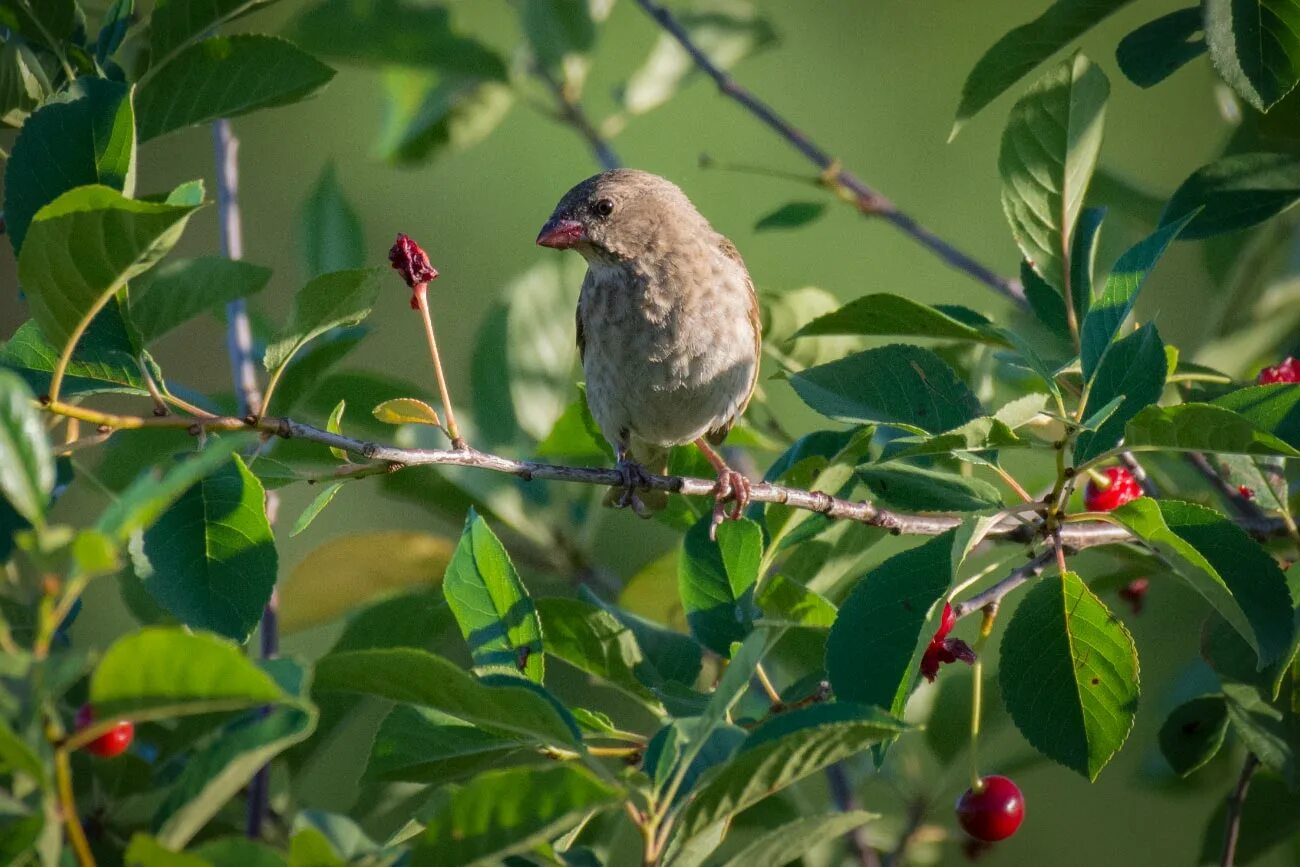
[{"x": 603, "y": 207}]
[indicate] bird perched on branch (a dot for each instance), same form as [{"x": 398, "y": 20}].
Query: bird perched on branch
[{"x": 668, "y": 328}]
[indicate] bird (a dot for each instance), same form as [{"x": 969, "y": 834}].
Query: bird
[{"x": 668, "y": 330}]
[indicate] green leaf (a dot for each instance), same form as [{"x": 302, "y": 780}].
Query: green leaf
[
  {"x": 894, "y": 315},
  {"x": 928, "y": 490},
  {"x": 1083, "y": 258},
  {"x": 501, "y": 813},
  {"x": 17, "y": 757},
  {"x": 26, "y": 462},
  {"x": 1255, "y": 46},
  {"x": 778, "y": 753},
  {"x": 416, "y": 745},
  {"x": 1045, "y": 302},
  {"x": 216, "y": 773},
  {"x": 406, "y": 410},
  {"x": 1020, "y": 51},
  {"x": 329, "y": 230},
  {"x": 727, "y": 31},
  {"x": 1158, "y": 48},
  {"x": 84, "y": 246},
  {"x": 314, "y": 509},
  {"x": 364, "y": 33},
  {"x": 1133, "y": 367},
  {"x": 786, "y": 843},
  {"x": 540, "y": 346},
  {"x": 1069, "y": 675},
  {"x": 159, "y": 673},
  {"x": 153, "y": 492},
  {"x": 1269, "y": 729},
  {"x": 1274, "y": 408},
  {"x": 1234, "y": 192},
  {"x": 210, "y": 559},
  {"x": 593, "y": 640},
  {"x": 1103, "y": 321},
  {"x": 45, "y": 22},
  {"x": 334, "y": 425},
  {"x": 790, "y": 216},
  {"x": 1193, "y": 732},
  {"x": 84, "y": 135},
  {"x": 416, "y": 677},
  {"x": 426, "y": 114},
  {"x": 1049, "y": 150},
  {"x": 176, "y": 23},
  {"x": 820, "y": 461},
  {"x": 902, "y": 385},
  {"x": 873, "y": 652},
  {"x": 328, "y": 301},
  {"x": 786, "y": 602},
  {"x": 574, "y": 435},
  {"x": 112, "y": 30},
  {"x": 226, "y": 76},
  {"x": 492, "y": 606},
  {"x": 145, "y": 851},
  {"x": 560, "y": 33},
  {"x": 177, "y": 291},
  {"x": 1234, "y": 574},
  {"x": 669, "y": 657},
  {"x": 238, "y": 852},
  {"x": 23, "y": 83},
  {"x": 716, "y": 581},
  {"x": 1202, "y": 427}
]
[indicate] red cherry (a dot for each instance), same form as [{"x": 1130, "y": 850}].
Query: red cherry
[
  {"x": 1287, "y": 371},
  {"x": 113, "y": 742},
  {"x": 1119, "y": 489},
  {"x": 994, "y": 812}
]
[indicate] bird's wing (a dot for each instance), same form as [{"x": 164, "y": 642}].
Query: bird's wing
[
  {"x": 577, "y": 315},
  {"x": 729, "y": 250}
]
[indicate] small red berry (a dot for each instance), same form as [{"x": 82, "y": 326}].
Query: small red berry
[
  {"x": 1248, "y": 493},
  {"x": 1120, "y": 487},
  {"x": 1134, "y": 593},
  {"x": 113, "y": 742},
  {"x": 994, "y": 812},
  {"x": 1287, "y": 371}
]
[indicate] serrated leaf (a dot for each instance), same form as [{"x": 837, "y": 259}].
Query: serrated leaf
[
  {"x": 159, "y": 673},
  {"x": 24, "y": 84},
  {"x": 176, "y": 23},
  {"x": 1193, "y": 733},
  {"x": 820, "y": 461},
  {"x": 1269, "y": 729},
  {"x": 901, "y": 385},
  {"x": 1274, "y": 408},
  {"x": 894, "y": 315},
  {"x": 1108, "y": 313},
  {"x": 1255, "y": 46},
  {"x": 406, "y": 410},
  {"x": 924, "y": 489},
  {"x": 329, "y": 230},
  {"x": 593, "y": 640},
  {"x": 790, "y": 216},
  {"x": 84, "y": 246},
  {"x": 417, "y": 745},
  {"x": 785, "y": 844},
  {"x": 226, "y": 76},
  {"x": 787, "y": 603},
  {"x": 84, "y": 135},
  {"x": 315, "y": 507},
  {"x": 177, "y": 291},
  {"x": 500, "y": 813},
  {"x": 492, "y": 606},
  {"x": 1234, "y": 192},
  {"x": 1024, "y": 48},
  {"x": 416, "y": 677},
  {"x": 716, "y": 581},
  {"x": 669, "y": 657},
  {"x": 1157, "y": 49},
  {"x": 1049, "y": 150},
  {"x": 873, "y": 652},
  {"x": 329, "y": 301},
  {"x": 1069, "y": 674},
  {"x": 210, "y": 559},
  {"x": 26, "y": 462},
  {"x": 1202, "y": 427},
  {"x": 1133, "y": 367},
  {"x": 1234, "y": 574}
]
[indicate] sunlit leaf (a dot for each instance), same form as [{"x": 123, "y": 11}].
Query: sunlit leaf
[{"x": 1255, "y": 45}]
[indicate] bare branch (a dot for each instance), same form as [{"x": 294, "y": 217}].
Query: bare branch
[
  {"x": 1232, "y": 828},
  {"x": 869, "y": 202},
  {"x": 1240, "y": 503},
  {"x": 572, "y": 114},
  {"x": 1019, "y": 576}
]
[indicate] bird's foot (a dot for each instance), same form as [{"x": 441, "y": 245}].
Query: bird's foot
[
  {"x": 731, "y": 486},
  {"x": 634, "y": 478}
]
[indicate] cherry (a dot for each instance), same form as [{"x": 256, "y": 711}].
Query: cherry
[
  {"x": 113, "y": 742},
  {"x": 1286, "y": 371},
  {"x": 992, "y": 813},
  {"x": 1120, "y": 487}
]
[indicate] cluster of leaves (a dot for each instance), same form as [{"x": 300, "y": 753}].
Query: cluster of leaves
[{"x": 491, "y": 742}]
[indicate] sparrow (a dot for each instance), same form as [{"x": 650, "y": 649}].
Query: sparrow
[{"x": 668, "y": 329}]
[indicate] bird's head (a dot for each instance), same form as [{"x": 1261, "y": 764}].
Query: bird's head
[{"x": 619, "y": 215}]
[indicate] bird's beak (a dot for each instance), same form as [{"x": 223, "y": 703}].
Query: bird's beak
[{"x": 561, "y": 234}]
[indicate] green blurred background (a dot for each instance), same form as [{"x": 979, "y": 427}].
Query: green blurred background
[{"x": 876, "y": 84}]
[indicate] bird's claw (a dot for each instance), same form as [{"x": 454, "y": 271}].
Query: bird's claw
[
  {"x": 731, "y": 486},
  {"x": 633, "y": 477}
]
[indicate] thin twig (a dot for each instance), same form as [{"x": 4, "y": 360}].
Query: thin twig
[
  {"x": 1073, "y": 536},
  {"x": 846, "y": 801},
  {"x": 1240, "y": 503},
  {"x": 571, "y": 113},
  {"x": 1232, "y": 827},
  {"x": 1019, "y": 576},
  {"x": 869, "y": 202},
  {"x": 68, "y": 806}
]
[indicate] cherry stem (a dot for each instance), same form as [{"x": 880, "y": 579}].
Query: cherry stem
[
  {"x": 772, "y": 695},
  {"x": 422, "y": 302},
  {"x": 977, "y": 694}
]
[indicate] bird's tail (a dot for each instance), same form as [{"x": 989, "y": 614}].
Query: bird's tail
[{"x": 654, "y": 460}]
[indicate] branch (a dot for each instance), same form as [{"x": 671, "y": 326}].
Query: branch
[
  {"x": 1019, "y": 576},
  {"x": 1012, "y": 528},
  {"x": 572, "y": 114},
  {"x": 846, "y": 801},
  {"x": 1240, "y": 503},
  {"x": 1232, "y": 828},
  {"x": 869, "y": 202}
]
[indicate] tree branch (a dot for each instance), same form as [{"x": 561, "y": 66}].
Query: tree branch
[
  {"x": 573, "y": 115},
  {"x": 868, "y": 200},
  {"x": 846, "y": 801},
  {"x": 1232, "y": 827},
  {"x": 1019, "y": 576},
  {"x": 1241, "y": 504}
]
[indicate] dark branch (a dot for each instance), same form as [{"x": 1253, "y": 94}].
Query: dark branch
[
  {"x": 572, "y": 113},
  {"x": 1237, "y": 800},
  {"x": 994, "y": 594},
  {"x": 869, "y": 201}
]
